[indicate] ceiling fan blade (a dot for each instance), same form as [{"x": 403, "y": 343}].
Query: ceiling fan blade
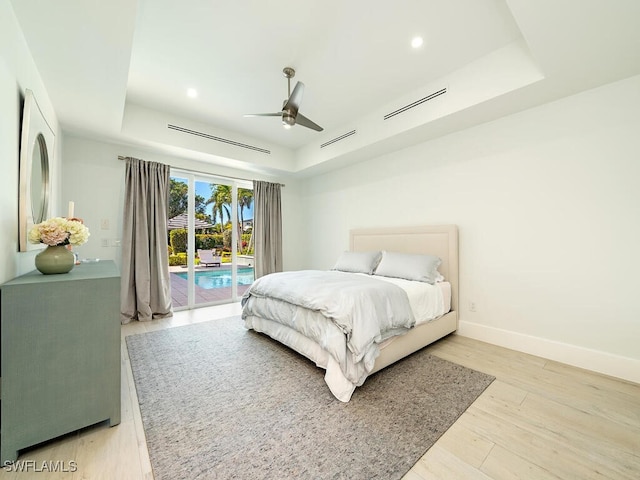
[
  {"x": 279, "y": 114},
  {"x": 305, "y": 122},
  {"x": 294, "y": 101}
]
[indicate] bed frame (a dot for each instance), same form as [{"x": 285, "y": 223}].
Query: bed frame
[{"x": 439, "y": 240}]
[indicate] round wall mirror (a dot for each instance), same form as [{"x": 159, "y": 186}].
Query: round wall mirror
[
  {"x": 37, "y": 156},
  {"x": 39, "y": 179}
]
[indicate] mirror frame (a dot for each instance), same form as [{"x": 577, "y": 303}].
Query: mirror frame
[{"x": 36, "y": 133}]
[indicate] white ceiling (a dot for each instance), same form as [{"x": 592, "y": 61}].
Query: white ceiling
[{"x": 100, "y": 60}]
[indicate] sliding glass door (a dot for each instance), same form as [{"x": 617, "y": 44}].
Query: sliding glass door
[{"x": 211, "y": 247}]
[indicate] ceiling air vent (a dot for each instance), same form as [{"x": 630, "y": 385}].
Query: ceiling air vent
[
  {"x": 337, "y": 139},
  {"x": 415, "y": 104},
  {"x": 218, "y": 139}
]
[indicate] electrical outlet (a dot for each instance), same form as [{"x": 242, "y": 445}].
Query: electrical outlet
[
  {"x": 472, "y": 306},
  {"x": 105, "y": 242}
]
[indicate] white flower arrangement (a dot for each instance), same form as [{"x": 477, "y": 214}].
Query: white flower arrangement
[{"x": 59, "y": 231}]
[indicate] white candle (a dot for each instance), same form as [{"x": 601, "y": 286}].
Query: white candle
[{"x": 70, "y": 214}]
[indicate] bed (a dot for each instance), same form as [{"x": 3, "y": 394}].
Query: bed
[{"x": 318, "y": 334}]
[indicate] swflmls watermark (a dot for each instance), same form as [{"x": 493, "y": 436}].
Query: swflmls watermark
[{"x": 50, "y": 466}]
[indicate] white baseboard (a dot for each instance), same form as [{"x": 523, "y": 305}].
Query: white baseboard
[{"x": 595, "y": 360}]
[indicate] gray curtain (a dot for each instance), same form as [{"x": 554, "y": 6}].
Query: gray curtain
[
  {"x": 267, "y": 228},
  {"x": 146, "y": 288}
]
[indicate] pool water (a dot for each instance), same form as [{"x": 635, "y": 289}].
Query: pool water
[{"x": 220, "y": 278}]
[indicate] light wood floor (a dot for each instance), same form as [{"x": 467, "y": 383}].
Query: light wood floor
[{"x": 538, "y": 420}]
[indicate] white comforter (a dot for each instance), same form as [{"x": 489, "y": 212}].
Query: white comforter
[{"x": 346, "y": 315}]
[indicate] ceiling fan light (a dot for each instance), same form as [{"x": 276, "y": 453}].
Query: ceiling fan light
[
  {"x": 286, "y": 126},
  {"x": 288, "y": 119}
]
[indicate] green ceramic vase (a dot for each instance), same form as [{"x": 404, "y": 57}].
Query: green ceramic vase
[{"x": 55, "y": 259}]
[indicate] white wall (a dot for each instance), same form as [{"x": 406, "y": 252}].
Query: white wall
[
  {"x": 17, "y": 73},
  {"x": 94, "y": 181},
  {"x": 548, "y": 207}
]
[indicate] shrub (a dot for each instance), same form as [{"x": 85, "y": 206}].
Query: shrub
[
  {"x": 178, "y": 240},
  {"x": 209, "y": 241},
  {"x": 204, "y": 241},
  {"x": 176, "y": 260}
]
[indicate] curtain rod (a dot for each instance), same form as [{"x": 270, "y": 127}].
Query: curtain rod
[{"x": 121, "y": 157}]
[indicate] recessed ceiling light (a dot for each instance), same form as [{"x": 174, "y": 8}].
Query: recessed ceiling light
[
  {"x": 192, "y": 93},
  {"x": 416, "y": 42}
]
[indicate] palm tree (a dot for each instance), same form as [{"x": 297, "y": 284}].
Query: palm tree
[
  {"x": 221, "y": 199},
  {"x": 245, "y": 198}
]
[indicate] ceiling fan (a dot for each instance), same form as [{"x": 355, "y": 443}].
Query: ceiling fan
[{"x": 290, "y": 114}]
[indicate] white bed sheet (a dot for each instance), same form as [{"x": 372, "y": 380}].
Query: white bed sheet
[{"x": 427, "y": 301}]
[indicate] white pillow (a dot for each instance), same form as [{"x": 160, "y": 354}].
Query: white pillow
[
  {"x": 421, "y": 268},
  {"x": 358, "y": 262}
]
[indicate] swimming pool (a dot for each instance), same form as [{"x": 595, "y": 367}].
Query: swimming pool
[{"x": 220, "y": 278}]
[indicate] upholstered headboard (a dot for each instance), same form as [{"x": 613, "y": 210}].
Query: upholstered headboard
[{"x": 439, "y": 240}]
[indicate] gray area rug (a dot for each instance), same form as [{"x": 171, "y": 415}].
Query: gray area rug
[{"x": 221, "y": 402}]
